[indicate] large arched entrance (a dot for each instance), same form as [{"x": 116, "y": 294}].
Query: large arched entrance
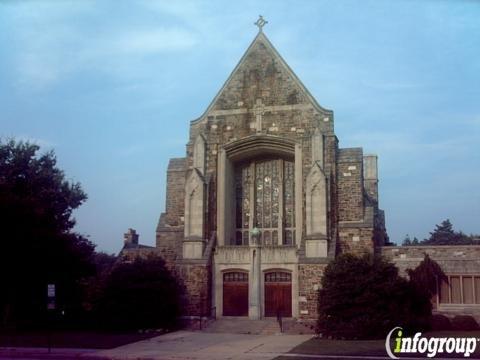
[
  {"x": 278, "y": 294},
  {"x": 235, "y": 293}
]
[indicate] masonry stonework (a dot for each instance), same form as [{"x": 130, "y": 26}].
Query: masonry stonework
[
  {"x": 278, "y": 198},
  {"x": 459, "y": 261},
  {"x": 265, "y": 198},
  {"x": 310, "y": 276}
]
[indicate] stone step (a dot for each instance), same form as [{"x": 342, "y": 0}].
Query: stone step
[
  {"x": 243, "y": 326},
  {"x": 271, "y": 329}
]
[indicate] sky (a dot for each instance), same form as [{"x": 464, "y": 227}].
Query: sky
[{"x": 111, "y": 87}]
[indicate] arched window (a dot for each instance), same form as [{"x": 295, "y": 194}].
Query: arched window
[
  {"x": 236, "y": 276},
  {"x": 264, "y": 199},
  {"x": 278, "y": 276}
]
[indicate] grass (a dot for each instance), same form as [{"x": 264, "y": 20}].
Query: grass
[
  {"x": 72, "y": 339},
  {"x": 365, "y": 348}
]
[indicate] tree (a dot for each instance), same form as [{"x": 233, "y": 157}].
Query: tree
[
  {"x": 444, "y": 234},
  {"x": 36, "y": 205},
  {"x": 364, "y": 297},
  {"x": 407, "y": 241},
  {"x": 426, "y": 275},
  {"x": 140, "y": 294}
]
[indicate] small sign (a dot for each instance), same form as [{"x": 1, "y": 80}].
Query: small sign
[
  {"x": 51, "y": 290},
  {"x": 51, "y": 305}
]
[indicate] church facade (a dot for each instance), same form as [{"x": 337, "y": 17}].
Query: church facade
[{"x": 265, "y": 197}]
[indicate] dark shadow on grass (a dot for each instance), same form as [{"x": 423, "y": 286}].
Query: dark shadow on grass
[
  {"x": 80, "y": 340},
  {"x": 365, "y": 348}
]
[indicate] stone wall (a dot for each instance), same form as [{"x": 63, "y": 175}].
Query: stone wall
[
  {"x": 310, "y": 276},
  {"x": 350, "y": 184},
  {"x": 196, "y": 299},
  {"x": 175, "y": 196},
  {"x": 356, "y": 239},
  {"x": 169, "y": 244},
  {"x": 454, "y": 259},
  {"x": 132, "y": 253}
]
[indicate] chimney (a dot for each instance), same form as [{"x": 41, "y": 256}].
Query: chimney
[{"x": 130, "y": 237}]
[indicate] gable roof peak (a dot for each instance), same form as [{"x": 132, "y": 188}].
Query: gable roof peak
[{"x": 262, "y": 40}]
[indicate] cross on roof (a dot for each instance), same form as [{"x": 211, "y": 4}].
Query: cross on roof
[{"x": 260, "y": 22}]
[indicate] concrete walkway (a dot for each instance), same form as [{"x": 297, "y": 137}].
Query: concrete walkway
[{"x": 207, "y": 346}]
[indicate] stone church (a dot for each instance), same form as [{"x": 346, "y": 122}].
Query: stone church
[{"x": 264, "y": 198}]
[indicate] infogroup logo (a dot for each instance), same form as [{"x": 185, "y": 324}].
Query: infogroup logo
[{"x": 429, "y": 346}]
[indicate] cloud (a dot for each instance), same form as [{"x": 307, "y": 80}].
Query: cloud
[
  {"x": 52, "y": 45},
  {"x": 149, "y": 41}
]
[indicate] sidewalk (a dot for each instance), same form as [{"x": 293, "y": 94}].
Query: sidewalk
[
  {"x": 175, "y": 346},
  {"x": 207, "y": 346}
]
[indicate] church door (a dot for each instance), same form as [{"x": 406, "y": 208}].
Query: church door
[
  {"x": 278, "y": 294},
  {"x": 235, "y": 294}
]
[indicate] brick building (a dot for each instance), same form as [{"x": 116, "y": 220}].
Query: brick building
[{"x": 265, "y": 198}]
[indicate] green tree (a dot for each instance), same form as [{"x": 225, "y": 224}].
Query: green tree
[
  {"x": 139, "y": 294},
  {"x": 426, "y": 275},
  {"x": 443, "y": 234},
  {"x": 364, "y": 297},
  {"x": 39, "y": 246},
  {"x": 407, "y": 241}
]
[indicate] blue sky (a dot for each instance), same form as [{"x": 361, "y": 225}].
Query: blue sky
[{"x": 111, "y": 86}]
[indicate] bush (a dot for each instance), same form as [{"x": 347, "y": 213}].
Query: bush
[
  {"x": 139, "y": 295},
  {"x": 364, "y": 298},
  {"x": 440, "y": 322},
  {"x": 464, "y": 323}
]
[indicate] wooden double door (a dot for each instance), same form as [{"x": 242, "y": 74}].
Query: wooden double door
[
  {"x": 235, "y": 294},
  {"x": 278, "y": 294}
]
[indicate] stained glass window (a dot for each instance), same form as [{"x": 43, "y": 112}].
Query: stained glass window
[
  {"x": 242, "y": 197},
  {"x": 278, "y": 277},
  {"x": 235, "y": 277},
  {"x": 272, "y": 183}
]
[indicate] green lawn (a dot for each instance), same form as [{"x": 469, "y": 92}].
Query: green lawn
[
  {"x": 85, "y": 340},
  {"x": 367, "y": 348}
]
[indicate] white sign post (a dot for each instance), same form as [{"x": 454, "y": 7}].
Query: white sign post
[{"x": 51, "y": 296}]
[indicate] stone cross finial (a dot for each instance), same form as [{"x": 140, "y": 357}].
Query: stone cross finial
[{"x": 261, "y": 22}]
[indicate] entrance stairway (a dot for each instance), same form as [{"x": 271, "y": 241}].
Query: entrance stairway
[{"x": 244, "y": 326}]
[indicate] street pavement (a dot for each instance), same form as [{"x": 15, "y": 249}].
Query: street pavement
[
  {"x": 207, "y": 346},
  {"x": 175, "y": 346}
]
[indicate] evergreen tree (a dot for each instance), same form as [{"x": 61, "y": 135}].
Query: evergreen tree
[
  {"x": 426, "y": 276},
  {"x": 407, "y": 241},
  {"x": 444, "y": 234}
]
